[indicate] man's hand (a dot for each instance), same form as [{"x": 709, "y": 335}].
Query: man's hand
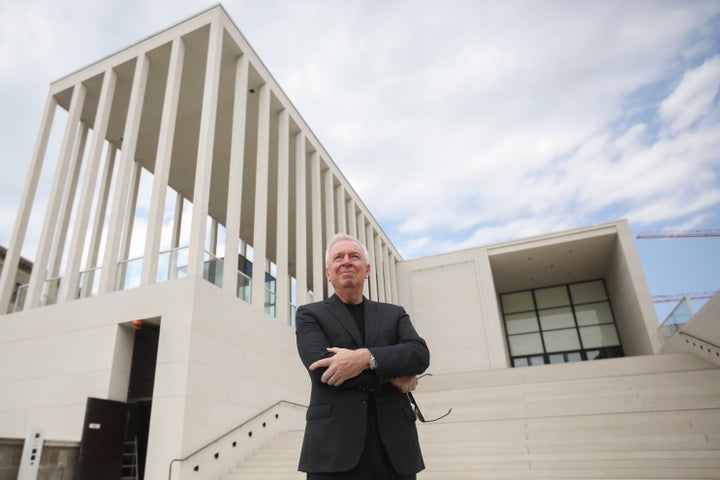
[
  {"x": 345, "y": 364},
  {"x": 405, "y": 384}
]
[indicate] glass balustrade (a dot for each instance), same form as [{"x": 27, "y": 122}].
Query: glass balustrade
[
  {"x": 50, "y": 290},
  {"x": 20, "y": 298},
  {"x": 172, "y": 264},
  {"x": 88, "y": 283},
  {"x": 243, "y": 287},
  {"x": 679, "y": 316},
  {"x": 213, "y": 269},
  {"x": 270, "y": 301},
  {"x": 128, "y": 274}
]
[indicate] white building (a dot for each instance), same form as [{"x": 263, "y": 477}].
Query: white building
[{"x": 196, "y": 337}]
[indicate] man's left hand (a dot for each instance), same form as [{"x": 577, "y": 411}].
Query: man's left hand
[
  {"x": 405, "y": 384},
  {"x": 343, "y": 365}
]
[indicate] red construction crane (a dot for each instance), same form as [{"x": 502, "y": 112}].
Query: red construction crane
[
  {"x": 681, "y": 233},
  {"x": 679, "y": 296}
]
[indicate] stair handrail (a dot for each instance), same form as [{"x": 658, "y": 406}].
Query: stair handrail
[
  {"x": 212, "y": 442},
  {"x": 697, "y": 338}
]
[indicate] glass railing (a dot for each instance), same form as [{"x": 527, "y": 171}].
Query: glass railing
[
  {"x": 20, "y": 298},
  {"x": 213, "y": 269},
  {"x": 49, "y": 295},
  {"x": 293, "y": 309},
  {"x": 128, "y": 274},
  {"x": 243, "y": 287},
  {"x": 679, "y": 316},
  {"x": 88, "y": 283},
  {"x": 172, "y": 264},
  {"x": 50, "y": 290},
  {"x": 270, "y": 300}
]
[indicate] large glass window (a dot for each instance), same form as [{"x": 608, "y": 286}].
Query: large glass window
[{"x": 560, "y": 324}]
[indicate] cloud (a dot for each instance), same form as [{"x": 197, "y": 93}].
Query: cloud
[
  {"x": 457, "y": 124},
  {"x": 694, "y": 98}
]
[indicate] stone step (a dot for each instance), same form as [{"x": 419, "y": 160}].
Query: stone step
[{"x": 657, "y": 419}]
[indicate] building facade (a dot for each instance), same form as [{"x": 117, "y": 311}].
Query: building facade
[{"x": 196, "y": 335}]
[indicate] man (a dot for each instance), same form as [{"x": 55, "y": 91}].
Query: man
[{"x": 363, "y": 357}]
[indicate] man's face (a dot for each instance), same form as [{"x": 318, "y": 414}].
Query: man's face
[{"x": 347, "y": 266}]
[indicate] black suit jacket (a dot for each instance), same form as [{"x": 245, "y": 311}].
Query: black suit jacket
[{"x": 337, "y": 416}]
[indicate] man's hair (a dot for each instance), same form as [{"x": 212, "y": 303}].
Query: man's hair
[{"x": 338, "y": 237}]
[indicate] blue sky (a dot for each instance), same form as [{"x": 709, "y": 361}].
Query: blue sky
[{"x": 459, "y": 123}]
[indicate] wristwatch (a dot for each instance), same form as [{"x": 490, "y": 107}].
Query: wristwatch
[{"x": 373, "y": 362}]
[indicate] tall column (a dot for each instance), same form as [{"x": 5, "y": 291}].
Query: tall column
[
  {"x": 212, "y": 244},
  {"x": 341, "y": 213},
  {"x": 40, "y": 267},
  {"x": 177, "y": 220},
  {"x": 282, "y": 243},
  {"x": 393, "y": 279},
  {"x": 386, "y": 271},
  {"x": 91, "y": 262},
  {"x": 318, "y": 276},
  {"x": 130, "y": 211},
  {"x": 329, "y": 204},
  {"x": 124, "y": 176},
  {"x": 77, "y": 243},
  {"x": 203, "y": 170},
  {"x": 261, "y": 197},
  {"x": 175, "y": 242},
  {"x": 301, "y": 275},
  {"x": 361, "y": 236},
  {"x": 12, "y": 257},
  {"x": 57, "y": 249},
  {"x": 163, "y": 161},
  {"x": 380, "y": 268},
  {"x": 329, "y": 216},
  {"x": 352, "y": 218},
  {"x": 370, "y": 244},
  {"x": 235, "y": 176}
]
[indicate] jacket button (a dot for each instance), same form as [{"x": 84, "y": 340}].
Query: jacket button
[{"x": 364, "y": 402}]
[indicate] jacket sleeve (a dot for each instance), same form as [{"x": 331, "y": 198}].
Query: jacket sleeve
[
  {"x": 409, "y": 355},
  {"x": 312, "y": 345}
]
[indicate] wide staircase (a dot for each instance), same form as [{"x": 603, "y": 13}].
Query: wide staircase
[{"x": 651, "y": 417}]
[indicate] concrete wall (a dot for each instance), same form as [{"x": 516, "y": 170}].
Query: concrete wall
[
  {"x": 219, "y": 362},
  {"x": 630, "y": 297},
  {"x": 452, "y": 303}
]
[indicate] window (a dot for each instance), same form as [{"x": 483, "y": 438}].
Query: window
[{"x": 560, "y": 324}]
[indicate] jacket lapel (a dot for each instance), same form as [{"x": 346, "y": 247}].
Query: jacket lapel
[
  {"x": 372, "y": 322},
  {"x": 341, "y": 313}
]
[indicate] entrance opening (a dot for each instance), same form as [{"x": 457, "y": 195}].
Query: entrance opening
[{"x": 139, "y": 398}]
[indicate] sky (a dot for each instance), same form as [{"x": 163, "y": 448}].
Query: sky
[{"x": 459, "y": 123}]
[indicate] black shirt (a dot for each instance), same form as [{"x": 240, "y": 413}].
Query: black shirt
[{"x": 358, "y": 314}]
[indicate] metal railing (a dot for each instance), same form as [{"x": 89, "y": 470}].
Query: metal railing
[
  {"x": 698, "y": 339},
  {"x": 230, "y": 432}
]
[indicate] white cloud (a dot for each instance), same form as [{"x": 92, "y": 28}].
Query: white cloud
[
  {"x": 694, "y": 98},
  {"x": 459, "y": 123}
]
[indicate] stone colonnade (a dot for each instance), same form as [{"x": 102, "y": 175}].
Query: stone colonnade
[{"x": 194, "y": 111}]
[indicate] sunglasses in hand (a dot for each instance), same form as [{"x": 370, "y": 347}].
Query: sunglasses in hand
[{"x": 418, "y": 413}]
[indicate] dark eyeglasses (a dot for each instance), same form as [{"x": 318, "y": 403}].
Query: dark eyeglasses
[{"x": 418, "y": 413}]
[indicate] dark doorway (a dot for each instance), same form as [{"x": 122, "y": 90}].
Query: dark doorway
[{"x": 140, "y": 389}]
